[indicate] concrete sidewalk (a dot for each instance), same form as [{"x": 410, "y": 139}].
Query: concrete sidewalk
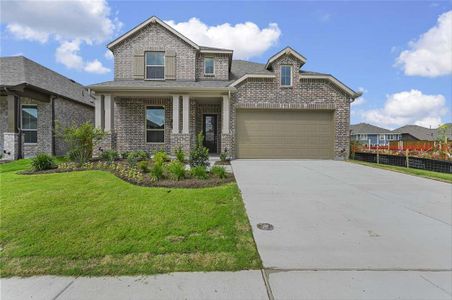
[{"x": 196, "y": 285}]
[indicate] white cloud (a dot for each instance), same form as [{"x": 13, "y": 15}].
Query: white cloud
[
  {"x": 108, "y": 54},
  {"x": 96, "y": 66},
  {"x": 361, "y": 100},
  {"x": 70, "y": 23},
  {"x": 246, "y": 39},
  {"x": 26, "y": 33},
  {"x": 68, "y": 54},
  {"x": 431, "y": 54},
  {"x": 408, "y": 107}
]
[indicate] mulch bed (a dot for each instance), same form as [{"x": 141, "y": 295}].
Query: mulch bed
[
  {"x": 167, "y": 183},
  {"x": 222, "y": 163}
]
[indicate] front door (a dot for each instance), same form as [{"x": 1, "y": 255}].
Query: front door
[{"x": 210, "y": 132}]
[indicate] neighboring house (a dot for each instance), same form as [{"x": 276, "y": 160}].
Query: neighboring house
[
  {"x": 32, "y": 100},
  {"x": 416, "y": 133},
  {"x": 372, "y": 135},
  {"x": 167, "y": 88}
]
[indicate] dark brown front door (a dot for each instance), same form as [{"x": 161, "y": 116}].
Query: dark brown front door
[{"x": 210, "y": 132}]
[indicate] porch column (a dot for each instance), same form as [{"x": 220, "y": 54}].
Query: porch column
[
  {"x": 11, "y": 139},
  {"x": 108, "y": 109},
  {"x": 225, "y": 115},
  {"x": 185, "y": 114},
  {"x": 176, "y": 114},
  {"x": 98, "y": 111}
]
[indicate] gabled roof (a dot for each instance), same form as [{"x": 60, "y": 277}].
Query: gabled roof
[
  {"x": 364, "y": 128},
  {"x": 19, "y": 71},
  {"x": 419, "y": 132},
  {"x": 205, "y": 49},
  {"x": 152, "y": 19},
  {"x": 286, "y": 51},
  {"x": 334, "y": 80}
]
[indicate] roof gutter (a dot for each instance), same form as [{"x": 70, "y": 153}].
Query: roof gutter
[{"x": 160, "y": 89}]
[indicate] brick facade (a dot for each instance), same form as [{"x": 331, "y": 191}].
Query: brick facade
[
  {"x": 310, "y": 94},
  {"x": 67, "y": 113},
  {"x": 221, "y": 66},
  {"x": 154, "y": 37}
]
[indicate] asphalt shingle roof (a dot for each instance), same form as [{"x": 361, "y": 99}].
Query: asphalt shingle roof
[
  {"x": 365, "y": 128},
  {"x": 419, "y": 132},
  {"x": 18, "y": 70}
]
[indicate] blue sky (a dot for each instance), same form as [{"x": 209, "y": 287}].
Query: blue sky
[{"x": 358, "y": 42}]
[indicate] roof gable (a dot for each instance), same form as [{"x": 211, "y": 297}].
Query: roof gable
[
  {"x": 365, "y": 128},
  {"x": 286, "y": 51},
  {"x": 152, "y": 20}
]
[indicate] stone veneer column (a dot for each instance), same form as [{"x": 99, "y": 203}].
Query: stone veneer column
[
  {"x": 181, "y": 140},
  {"x": 226, "y": 136},
  {"x": 11, "y": 138},
  {"x": 104, "y": 119}
]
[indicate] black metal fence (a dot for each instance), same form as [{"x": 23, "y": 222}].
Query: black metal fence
[{"x": 401, "y": 161}]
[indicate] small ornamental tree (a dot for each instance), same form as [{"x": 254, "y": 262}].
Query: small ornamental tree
[
  {"x": 81, "y": 140},
  {"x": 199, "y": 156}
]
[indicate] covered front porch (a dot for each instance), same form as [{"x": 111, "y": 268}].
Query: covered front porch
[{"x": 153, "y": 122}]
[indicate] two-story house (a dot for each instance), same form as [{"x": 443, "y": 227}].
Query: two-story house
[{"x": 167, "y": 88}]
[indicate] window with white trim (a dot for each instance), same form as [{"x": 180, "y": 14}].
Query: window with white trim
[
  {"x": 286, "y": 75},
  {"x": 363, "y": 137},
  {"x": 155, "y": 65},
  {"x": 209, "y": 66},
  {"x": 382, "y": 137},
  {"x": 155, "y": 124},
  {"x": 29, "y": 123}
]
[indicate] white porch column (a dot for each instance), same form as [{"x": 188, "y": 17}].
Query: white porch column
[
  {"x": 108, "y": 108},
  {"x": 175, "y": 113},
  {"x": 185, "y": 114},
  {"x": 98, "y": 111},
  {"x": 225, "y": 115}
]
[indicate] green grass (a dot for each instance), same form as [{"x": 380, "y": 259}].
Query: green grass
[
  {"x": 417, "y": 172},
  {"x": 92, "y": 223}
]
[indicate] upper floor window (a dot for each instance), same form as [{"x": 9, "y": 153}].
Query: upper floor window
[
  {"x": 286, "y": 75},
  {"x": 30, "y": 123},
  {"x": 155, "y": 124},
  {"x": 209, "y": 66},
  {"x": 155, "y": 65}
]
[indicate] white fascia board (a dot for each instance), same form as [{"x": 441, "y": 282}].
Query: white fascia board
[
  {"x": 145, "y": 23},
  {"x": 246, "y": 76},
  {"x": 217, "y": 51}
]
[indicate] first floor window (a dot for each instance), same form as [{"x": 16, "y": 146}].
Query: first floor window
[
  {"x": 155, "y": 65},
  {"x": 286, "y": 75},
  {"x": 382, "y": 137},
  {"x": 30, "y": 123},
  {"x": 155, "y": 124}
]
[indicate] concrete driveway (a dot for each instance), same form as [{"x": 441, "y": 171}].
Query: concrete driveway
[{"x": 371, "y": 231}]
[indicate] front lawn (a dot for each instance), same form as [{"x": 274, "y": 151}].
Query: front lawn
[
  {"x": 411, "y": 171},
  {"x": 93, "y": 223}
]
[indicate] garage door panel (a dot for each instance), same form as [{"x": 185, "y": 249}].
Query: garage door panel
[{"x": 285, "y": 134}]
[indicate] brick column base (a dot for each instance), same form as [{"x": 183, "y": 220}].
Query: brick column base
[
  {"x": 10, "y": 145},
  {"x": 181, "y": 140},
  {"x": 107, "y": 143},
  {"x": 226, "y": 145}
]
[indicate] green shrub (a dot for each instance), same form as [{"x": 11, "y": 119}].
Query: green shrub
[
  {"x": 176, "y": 170},
  {"x": 135, "y": 156},
  {"x": 109, "y": 155},
  {"x": 160, "y": 157},
  {"x": 224, "y": 155},
  {"x": 199, "y": 172},
  {"x": 199, "y": 156},
  {"x": 219, "y": 172},
  {"x": 156, "y": 171},
  {"x": 143, "y": 166},
  {"x": 42, "y": 162},
  {"x": 180, "y": 155},
  {"x": 124, "y": 154},
  {"x": 81, "y": 140}
]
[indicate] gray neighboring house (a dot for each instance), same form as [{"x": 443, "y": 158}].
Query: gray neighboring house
[
  {"x": 372, "y": 135},
  {"x": 167, "y": 88},
  {"x": 33, "y": 99},
  {"x": 416, "y": 133}
]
